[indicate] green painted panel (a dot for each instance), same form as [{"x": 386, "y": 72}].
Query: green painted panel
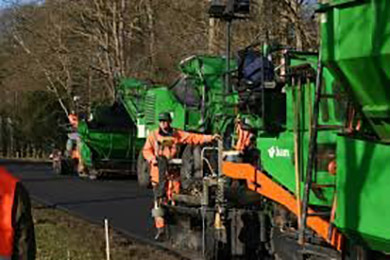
[
  {"x": 356, "y": 48},
  {"x": 85, "y": 153},
  {"x": 97, "y": 145},
  {"x": 208, "y": 74},
  {"x": 277, "y": 159},
  {"x": 160, "y": 100},
  {"x": 281, "y": 167},
  {"x": 131, "y": 93},
  {"x": 207, "y": 65},
  {"x": 363, "y": 204}
]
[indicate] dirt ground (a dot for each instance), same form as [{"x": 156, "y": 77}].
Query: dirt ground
[{"x": 60, "y": 235}]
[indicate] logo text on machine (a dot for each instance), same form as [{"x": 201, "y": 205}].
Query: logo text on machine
[{"x": 275, "y": 151}]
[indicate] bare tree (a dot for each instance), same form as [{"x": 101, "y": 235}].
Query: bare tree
[{"x": 64, "y": 48}]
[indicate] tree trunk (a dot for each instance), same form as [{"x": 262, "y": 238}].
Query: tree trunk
[
  {"x": 211, "y": 34},
  {"x": 150, "y": 14},
  {"x": 121, "y": 36}
]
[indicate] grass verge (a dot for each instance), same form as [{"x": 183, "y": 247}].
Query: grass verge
[{"x": 60, "y": 235}]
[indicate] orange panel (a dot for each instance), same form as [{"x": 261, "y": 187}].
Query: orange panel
[{"x": 261, "y": 183}]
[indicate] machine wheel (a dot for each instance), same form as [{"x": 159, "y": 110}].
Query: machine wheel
[
  {"x": 191, "y": 167},
  {"x": 143, "y": 172}
]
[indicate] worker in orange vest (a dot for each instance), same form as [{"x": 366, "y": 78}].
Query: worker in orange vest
[
  {"x": 73, "y": 144},
  {"x": 73, "y": 120},
  {"x": 17, "y": 239},
  {"x": 160, "y": 147},
  {"x": 244, "y": 135},
  {"x": 246, "y": 143}
]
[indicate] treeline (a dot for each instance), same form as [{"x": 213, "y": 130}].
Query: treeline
[{"x": 59, "y": 55}]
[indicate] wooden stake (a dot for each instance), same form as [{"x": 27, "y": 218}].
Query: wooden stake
[{"x": 107, "y": 239}]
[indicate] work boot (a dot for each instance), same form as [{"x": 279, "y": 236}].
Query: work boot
[
  {"x": 160, "y": 235},
  {"x": 82, "y": 175},
  {"x": 93, "y": 174}
]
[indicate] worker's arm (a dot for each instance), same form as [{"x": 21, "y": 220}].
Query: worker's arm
[
  {"x": 24, "y": 237},
  {"x": 149, "y": 150},
  {"x": 193, "y": 139}
]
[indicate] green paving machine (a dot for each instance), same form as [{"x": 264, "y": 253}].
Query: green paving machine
[
  {"x": 358, "y": 55},
  {"x": 110, "y": 141},
  {"x": 320, "y": 122},
  {"x": 107, "y": 141}
]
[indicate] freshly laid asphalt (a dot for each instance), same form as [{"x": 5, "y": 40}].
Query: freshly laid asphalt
[{"x": 121, "y": 201}]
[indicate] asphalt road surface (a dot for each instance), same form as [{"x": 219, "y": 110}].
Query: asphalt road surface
[{"x": 121, "y": 201}]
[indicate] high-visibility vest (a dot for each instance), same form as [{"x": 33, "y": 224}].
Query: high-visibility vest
[
  {"x": 7, "y": 194},
  {"x": 244, "y": 138}
]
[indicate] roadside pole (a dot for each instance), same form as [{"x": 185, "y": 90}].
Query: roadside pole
[{"x": 107, "y": 239}]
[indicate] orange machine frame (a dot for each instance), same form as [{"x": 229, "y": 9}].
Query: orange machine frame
[{"x": 264, "y": 185}]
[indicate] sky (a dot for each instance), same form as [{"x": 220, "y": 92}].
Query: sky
[{"x": 5, "y": 3}]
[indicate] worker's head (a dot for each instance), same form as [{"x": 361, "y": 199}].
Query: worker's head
[
  {"x": 165, "y": 120},
  {"x": 247, "y": 124}
]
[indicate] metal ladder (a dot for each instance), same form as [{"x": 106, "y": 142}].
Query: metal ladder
[{"x": 313, "y": 156}]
